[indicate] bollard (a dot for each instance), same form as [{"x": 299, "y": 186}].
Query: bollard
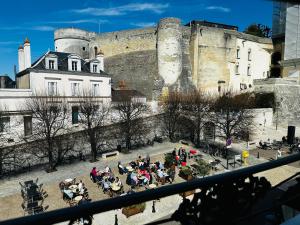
[
  {"x": 153, "y": 207},
  {"x": 258, "y": 155},
  {"x": 116, "y": 219}
]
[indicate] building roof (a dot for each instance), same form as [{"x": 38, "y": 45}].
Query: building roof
[
  {"x": 62, "y": 61},
  {"x": 212, "y": 24},
  {"x": 125, "y": 95}
]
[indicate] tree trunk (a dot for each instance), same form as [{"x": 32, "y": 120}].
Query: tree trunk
[
  {"x": 50, "y": 158},
  {"x": 1, "y": 162},
  {"x": 93, "y": 146}
]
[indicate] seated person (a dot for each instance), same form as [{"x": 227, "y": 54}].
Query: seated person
[
  {"x": 99, "y": 176},
  {"x": 68, "y": 194},
  {"x": 161, "y": 165},
  {"x": 160, "y": 173},
  {"x": 133, "y": 164},
  {"x": 107, "y": 169},
  {"x": 111, "y": 177},
  {"x": 134, "y": 179},
  {"x": 121, "y": 168},
  {"x": 118, "y": 182},
  {"x": 106, "y": 185}
]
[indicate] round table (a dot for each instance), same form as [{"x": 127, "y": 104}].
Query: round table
[
  {"x": 129, "y": 168},
  {"x": 141, "y": 177},
  {"x": 115, "y": 187},
  {"x": 152, "y": 186},
  {"x": 73, "y": 186},
  {"x": 69, "y": 180},
  {"x": 78, "y": 198}
]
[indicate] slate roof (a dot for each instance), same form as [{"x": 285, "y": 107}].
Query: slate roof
[
  {"x": 125, "y": 95},
  {"x": 62, "y": 60}
]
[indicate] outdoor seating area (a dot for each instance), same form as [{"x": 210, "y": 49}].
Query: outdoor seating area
[
  {"x": 33, "y": 197},
  {"x": 73, "y": 192}
]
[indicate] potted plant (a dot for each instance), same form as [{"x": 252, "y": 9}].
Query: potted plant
[
  {"x": 186, "y": 173},
  {"x": 134, "y": 209},
  {"x": 202, "y": 168},
  {"x": 169, "y": 160}
]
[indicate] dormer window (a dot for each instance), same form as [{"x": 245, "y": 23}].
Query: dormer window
[
  {"x": 74, "y": 65},
  {"x": 95, "y": 68},
  {"x": 74, "y": 62},
  {"x": 51, "y": 62}
]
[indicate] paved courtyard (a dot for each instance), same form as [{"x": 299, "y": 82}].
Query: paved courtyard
[{"x": 10, "y": 196}]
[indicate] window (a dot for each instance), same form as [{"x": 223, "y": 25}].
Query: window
[
  {"x": 238, "y": 52},
  {"x": 94, "y": 68},
  {"x": 249, "y": 55},
  {"x": 75, "y": 89},
  {"x": 4, "y": 124},
  {"x": 51, "y": 64},
  {"x": 83, "y": 48},
  {"x": 237, "y": 67},
  {"x": 74, "y": 65},
  {"x": 52, "y": 88},
  {"x": 75, "y": 114},
  {"x": 95, "y": 51},
  {"x": 96, "y": 89},
  {"x": 27, "y": 125},
  {"x": 249, "y": 70}
]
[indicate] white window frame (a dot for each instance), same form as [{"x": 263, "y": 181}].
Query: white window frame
[
  {"x": 74, "y": 64},
  {"x": 249, "y": 54},
  {"x": 47, "y": 62},
  {"x": 249, "y": 70},
  {"x": 53, "y": 92},
  {"x": 93, "y": 85},
  {"x": 238, "y": 52},
  {"x": 75, "y": 91},
  {"x": 237, "y": 69},
  {"x": 95, "y": 68}
]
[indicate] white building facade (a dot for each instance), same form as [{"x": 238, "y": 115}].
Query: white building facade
[{"x": 64, "y": 75}]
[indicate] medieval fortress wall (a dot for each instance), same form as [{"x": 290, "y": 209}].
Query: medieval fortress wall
[{"x": 171, "y": 56}]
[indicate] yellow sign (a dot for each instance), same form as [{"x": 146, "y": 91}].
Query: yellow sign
[{"x": 245, "y": 155}]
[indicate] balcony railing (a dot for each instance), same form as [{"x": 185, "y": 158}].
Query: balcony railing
[{"x": 188, "y": 210}]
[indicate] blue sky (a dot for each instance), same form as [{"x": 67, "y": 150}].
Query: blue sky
[{"x": 37, "y": 19}]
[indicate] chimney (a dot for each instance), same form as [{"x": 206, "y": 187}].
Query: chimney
[
  {"x": 21, "y": 59},
  {"x": 100, "y": 58},
  {"x": 27, "y": 53}
]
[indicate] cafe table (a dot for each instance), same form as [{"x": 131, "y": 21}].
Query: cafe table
[
  {"x": 78, "y": 198},
  {"x": 69, "y": 180},
  {"x": 73, "y": 186},
  {"x": 115, "y": 187}
]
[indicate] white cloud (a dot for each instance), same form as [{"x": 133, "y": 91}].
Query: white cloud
[
  {"x": 144, "y": 24},
  {"x": 122, "y": 10},
  {"x": 218, "y": 8},
  {"x": 42, "y": 28},
  {"x": 8, "y": 42},
  {"x": 37, "y": 28},
  {"x": 78, "y": 21}
]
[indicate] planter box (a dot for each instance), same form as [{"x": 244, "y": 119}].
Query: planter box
[
  {"x": 130, "y": 211},
  {"x": 187, "y": 193}
]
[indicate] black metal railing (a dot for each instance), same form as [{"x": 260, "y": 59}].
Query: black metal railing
[{"x": 96, "y": 207}]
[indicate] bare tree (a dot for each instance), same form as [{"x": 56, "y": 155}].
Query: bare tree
[
  {"x": 93, "y": 114},
  {"x": 171, "y": 106},
  {"x": 49, "y": 120},
  {"x": 232, "y": 115},
  {"x": 196, "y": 107},
  {"x": 131, "y": 113}
]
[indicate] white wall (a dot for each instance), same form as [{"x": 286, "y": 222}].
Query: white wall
[
  {"x": 39, "y": 83},
  {"x": 260, "y": 64}
]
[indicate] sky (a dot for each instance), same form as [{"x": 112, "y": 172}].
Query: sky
[{"x": 38, "y": 19}]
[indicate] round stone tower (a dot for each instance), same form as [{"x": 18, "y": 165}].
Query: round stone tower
[
  {"x": 169, "y": 50},
  {"x": 73, "y": 40}
]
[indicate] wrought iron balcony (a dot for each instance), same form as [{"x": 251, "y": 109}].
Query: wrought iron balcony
[{"x": 234, "y": 197}]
